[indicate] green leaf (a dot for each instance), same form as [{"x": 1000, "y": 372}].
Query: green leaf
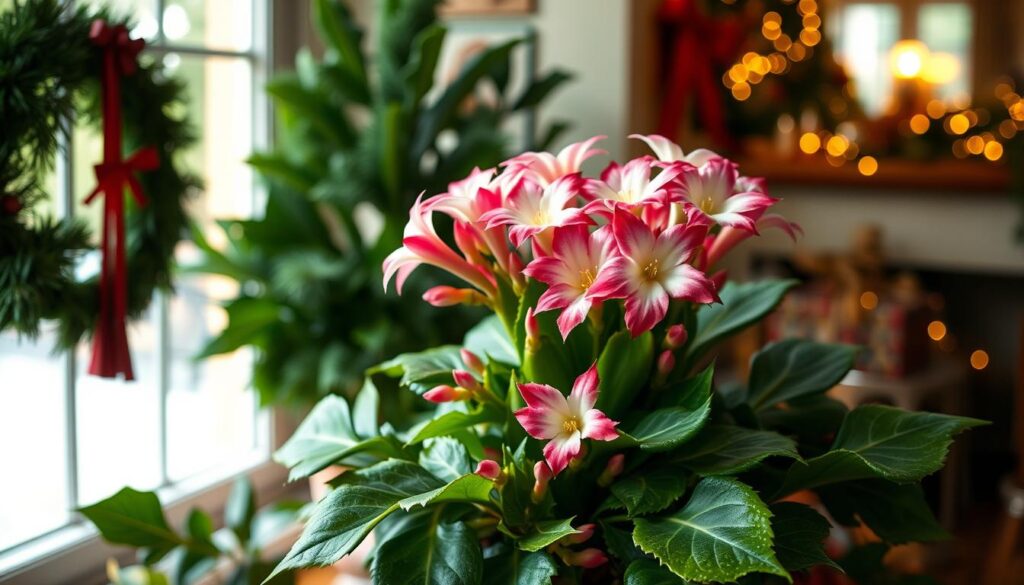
[
  {"x": 133, "y": 518},
  {"x": 723, "y": 533},
  {"x": 545, "y": 533},
  {"x": 276, "y": 166},
  {"x": 691, "y": 393},
  {"x": 742, "y": 306},
  {"x": 328, "y": 120},
  {"x": 539, "y": 89},
  {"x": 516, "y": 494},
  {"x": 240, "y": 510},
  {"x": 490, "y": 339},
  {"x": 795, "y": 368},
  {"x": 623, "y": 369},
  {"x": 800, "y": 533},
  {"x": 423, "y": 370},
  {"x": 469, "y": 488},
  {"x": 516, "y": 567},
  {"x": 620, "y": 542},
  {"x": 430, "y": 551},
  {"x": 881, "y": 441},
  {"x": 365, "y": 411},
  {"x": 248, "y": 319},
  {"x": 337, "y": 27},
  {"x": 896, "y": 513},
  {"x": 812, "y": 417},
  {"x": 419, "y": 71},
  {"x": 327, "y": 437},
  {"x": 456, "y": 421},
  {"x": 729, "y": 449},
  {"x": 667, "y": 428},
  {"x": 348, "y": 513},
  {"x": 648, "y": 572},
  {"x": 650, "y": 489},
  {"x": 447, "y": 458}
]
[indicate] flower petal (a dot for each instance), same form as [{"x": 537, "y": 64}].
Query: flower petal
[
  {"x": 664, "y": 149},
  {"x": 561, "y": 450},
  {"x": 597, "y": 426},
  {"x": 687, "y": 283},
  {"x": 540, "y": 423},
  {"x": 543, "y": 396},
  {"x": 573, "y": 315},
  {"x": 632, "y": 235},
  {"x": 645, "y": 308},
  {"x": 584, "y": 391}
]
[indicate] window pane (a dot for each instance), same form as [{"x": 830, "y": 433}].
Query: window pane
[
  {"x": 865, "y": 34},
  {"x": 211, "y": 410},
  {"x": 216, "y": 24},
  {"x": 946, "y": 28},
  {"x": 33, "y": 494},
  {"x": 119, "y": 422}
]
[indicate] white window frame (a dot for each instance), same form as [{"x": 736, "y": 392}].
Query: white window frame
[{"x": 75, "y": 553}]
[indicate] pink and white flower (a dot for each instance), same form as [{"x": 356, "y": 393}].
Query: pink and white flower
[
  {"x": 422, "y": 245},
  {"x": 565, "y": 422},
  {"x": 545, "y": 168},
  {"x": 576, "y": 261},
  {"x": 712, "y": 190},
  {"x": 650, "y": 270},
  {"x": 532, "y": 209},
  {"x": 668, "y": 151},
  {"x": 633, "y": 184}
]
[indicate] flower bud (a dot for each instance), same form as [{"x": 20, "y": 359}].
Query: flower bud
[
  {"x": 612, "y": 470},
  {"x": 666, "y": 363},
  {"x": 532, "y": 330},
  {"x": 676, "y": 336},
  {"x": 586, "y": 531},
  {"x": 515, "y": 268},
  {"x": 445, "y": 393},
  {"x": 447, "y": 296},
  {"x": 541, "y": 475},
  {"x": 468, "y": 242},
  {"x": 588, "y": 558},
  {"x": 489, "y": 469},
  {"x": 472, "y": 361},
  {"x": 718, "y": 279},
  {"x": 465, "y": 380}
]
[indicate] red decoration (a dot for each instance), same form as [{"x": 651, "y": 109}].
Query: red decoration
[
  {"x": 701, "y": 46},
  {"x": 110, "y": 353},
  {"x": 10, "y": 205}
]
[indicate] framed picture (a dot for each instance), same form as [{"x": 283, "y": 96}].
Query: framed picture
[{"x": 487, "y": 7}]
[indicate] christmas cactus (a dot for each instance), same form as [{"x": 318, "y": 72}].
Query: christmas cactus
[{"x": 580, "y": 434}]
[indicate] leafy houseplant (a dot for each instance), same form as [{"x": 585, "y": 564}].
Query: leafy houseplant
[
  {"x": 360, "y": 136},
  {"x": 579, "y": 436},
  {"x": 133, "y": 518}
]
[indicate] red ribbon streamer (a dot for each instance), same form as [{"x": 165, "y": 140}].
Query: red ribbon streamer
[
  {"x": 699, "y": 45},
  {"x": 110, "y": 353}
]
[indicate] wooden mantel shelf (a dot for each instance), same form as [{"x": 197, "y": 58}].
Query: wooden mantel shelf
[{"x": 962, "y": 176}]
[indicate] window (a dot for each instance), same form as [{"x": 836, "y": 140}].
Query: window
[
  {"x": 68, "y": 439},
  {"x": 865, "y": 32}
]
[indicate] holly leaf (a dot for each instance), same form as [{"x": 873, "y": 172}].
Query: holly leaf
[
  {"x": 896, "y": 513},
  {"x": 430, "y": 550},
  {"x": 648, "y": 572},
  {"x": 728, "y": 449},
  {"x": 881, "y": 441},
  {"x": 651, "y": 489},
  {"x": 546, "y": 532},
  {"x": 796, "y": 367},
  {"x": 516, "y": 567},
  {"x": 723, "y": 533},
  {"x": 799, "y": 536},
  {"x": 345, "y": 516},
  {"x": 742, "y": 305}
]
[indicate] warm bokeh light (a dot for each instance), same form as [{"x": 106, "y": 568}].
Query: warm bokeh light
[
  {"x": 935, "y": 109},
  {"x": 993, "y": 151},
  {"x": 959, "y": 124},
  {"x": 936, "y": 330},
  {"x": 741, "y": 91},
  {"x": 810, "y": 143},
  {"x": 837, "y": 145},
  {"x": 772, "y": 17},
  {"x": 783, "y": 43},
  {"x": 867, "y": 166},
  {"x": 868, "y": 300},
  {"x": 975, "y": 145},
  {"x": 812, "y": 21},
  {"x": 919, "y": 123},
  {"x": 1007, "y": 129},
  {"x": 979, "y": 359},
  {"x": 941, "y": 68},
  {"x": 810, "y": 37},
  {"x": 907, "y": 58}
]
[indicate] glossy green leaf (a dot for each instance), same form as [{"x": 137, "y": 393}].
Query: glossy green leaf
[
  {"x": 650, "y": 489},
  {"x": 618, "y": 537},
  {"x": 728, "y": 449},
  {"x": 896, "y": 513},
  {"x": 881, "y": 441},
  {"x": 456, "y": 421},
  {"x": 800, "y": 534},
  {"x": 446, "y": 458},
  {"x": 348, "y": 513},
  {"x": 470, "y": 488},
  {"x": 545, "y": 533},
  {"x": 516, "y": 567},
  {"x": 277, "y": 167},
  {"x": 133, "y": 518},
  {"x": 742, "y": 306},
  {"x": 419, "y": 71},
  {"x": 690, "y": 393},
  {"x": 667, "y": 428},
  {"x": 623, "y": 370},
  {"x": 365, "y": 411},
  {"x": 421, "y": 371},
  {"x": 540, "y": 89},
  {"x": 432, "y": 551},
  {"x": 240, "y": 510},
  {"x": 248, "y": 319},
  {"x": 795, "y": 368},
  {"x": 490, "y": 339},
  {"x": 723, "y": 533},
  {"x": 337, "y": 26},
  {"x": 649, "y": 572}
]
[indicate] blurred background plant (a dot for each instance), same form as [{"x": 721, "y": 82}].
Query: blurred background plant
[{"x": 361, "y": 134}]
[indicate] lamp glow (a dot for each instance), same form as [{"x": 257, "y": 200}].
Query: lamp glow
[{"x": 907, "y": 58}]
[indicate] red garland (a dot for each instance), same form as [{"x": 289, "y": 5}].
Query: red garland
[
  {"x": 110, "y": 353},
  {"x": 700, "y": 44}
]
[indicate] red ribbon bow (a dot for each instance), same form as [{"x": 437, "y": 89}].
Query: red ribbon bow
[
  {"x": 700, "y": 43},
  {"x": 110, "y": 353}
]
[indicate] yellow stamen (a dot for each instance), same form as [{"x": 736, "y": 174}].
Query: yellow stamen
[
  {"x": 707, "y": 205},
  {"x": 651, "y": 270},
  {"x": 586, "y": 278},
  {"x": 571, "y": 425}
]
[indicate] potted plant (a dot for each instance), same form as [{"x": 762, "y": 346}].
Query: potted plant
[{"x": 579, "y": 435}]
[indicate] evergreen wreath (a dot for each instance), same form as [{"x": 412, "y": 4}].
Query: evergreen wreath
[{"x": 50, "y": 70}]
